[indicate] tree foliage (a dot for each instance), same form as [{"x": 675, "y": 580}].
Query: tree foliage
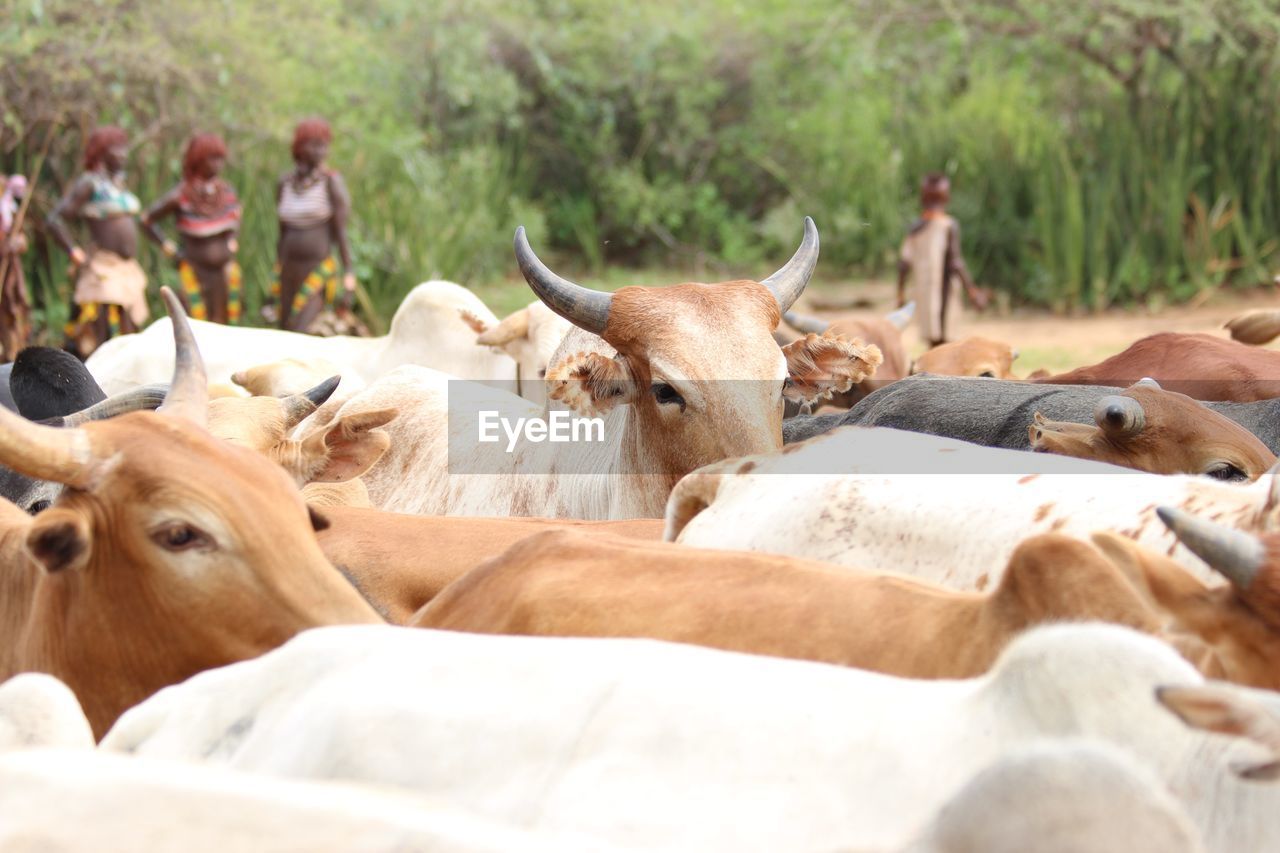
[{"x": 1102, "y": 151}]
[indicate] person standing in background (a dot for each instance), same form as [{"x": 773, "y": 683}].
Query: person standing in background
[
  {"x": 931, "y": 257},
  {"x": 312, "y": 205},
  {"x": 15, "y": 307},
  {"x": 110, "y": 286},
  {"x": 208, "y": 218}
]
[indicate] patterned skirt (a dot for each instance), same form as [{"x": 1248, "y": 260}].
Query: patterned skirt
[{"x": 196, "y": 309}]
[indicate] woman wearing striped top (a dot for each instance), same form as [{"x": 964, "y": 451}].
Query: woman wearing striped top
[
  {"x": 312, "y": 205},
  {"x": 207, "y": 215}
]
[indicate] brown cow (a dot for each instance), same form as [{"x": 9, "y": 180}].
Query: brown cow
[
  {"x": 1198, "y": 365},
  {"x": 400, "y": 562},
  {"x": 574, "y": 584},
  {"x": 968, "y": 357},
  {"x": 1148, "y": 428},
  {"x": 885, "y": 332},
  {"x": 170, "y": 552}
]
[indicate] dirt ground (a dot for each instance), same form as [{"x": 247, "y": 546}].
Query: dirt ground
[{"x": 1046, "y": 340}]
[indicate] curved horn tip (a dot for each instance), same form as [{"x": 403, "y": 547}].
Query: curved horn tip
[
  {"x": 323, "y": 391},
  {"x": 1234, "y": 554},
  {"x": 1148, "y": 382},
  {"x": 789, "y": 282},
  {"x": 586, "y": 308}
]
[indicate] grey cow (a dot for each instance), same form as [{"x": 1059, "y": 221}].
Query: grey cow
[{"x": 996, "y": 413}]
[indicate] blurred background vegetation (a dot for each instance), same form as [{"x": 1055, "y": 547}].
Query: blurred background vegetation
[{"x": 1101, "y": 151}]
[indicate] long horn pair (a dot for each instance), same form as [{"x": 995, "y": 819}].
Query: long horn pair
[
  {"x": 589, "y": 309},
  {"x": 65, "y": 455}
]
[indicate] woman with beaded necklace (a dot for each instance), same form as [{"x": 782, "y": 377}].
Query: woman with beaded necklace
[
  {"x": 208, "y": 217},
  {"x": 110, "y": 286},
  {"x": 312, "y": 205}
]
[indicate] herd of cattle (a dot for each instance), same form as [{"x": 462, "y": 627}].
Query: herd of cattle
[{"x": 258, "y": 596}]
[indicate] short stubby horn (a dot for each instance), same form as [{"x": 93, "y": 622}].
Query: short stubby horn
[
  {"x": 1235, "y": 555},
  {"x": 188, "y": 395},
  {"x": 788, "y": 283},
  {"x": 298, "y": 406},
  {"x": 583, "y": 307},
  {"x": 1120, "y": 417}
]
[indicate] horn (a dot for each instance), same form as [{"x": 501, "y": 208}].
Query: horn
[
  {"x": 585, "y": 308},
  {"x": 134, "y": 400},
  {"x": 804, "y": 323},
  {"x": 1147, "y": 382},
  {"x": 188, "y": 395},
  {"x": 1235, "y": 555},
  {"x": 46, "y": 452},
  {"x": 298, "y": 406},
  {"x": 788, "y": 283},
  {"x": 902, "y": 317},
  {"x": 1120, "y": 417}
]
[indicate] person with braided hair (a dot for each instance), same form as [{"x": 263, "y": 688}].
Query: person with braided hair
[{"x": 207, "y": 215}]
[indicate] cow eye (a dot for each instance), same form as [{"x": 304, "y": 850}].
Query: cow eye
[
  {"x": 1227, "y": 472},
  {"x": 39, "y": 506},
  {"x": 542, "y": 373},
  {"x": 986, "y": 374},
  {"x": 180, "y": 536},
  {"x": 665, "y": 394}
]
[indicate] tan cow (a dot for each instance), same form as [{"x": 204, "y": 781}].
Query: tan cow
[
  {"x": 575, "y": 584},
  {"x": 680, "y": 376},
  {"x": 335, "y": 451},
  {"x": 968, "y": 357},
  {"x": 170, "y": 552},
  {"x": 1148, "y": 428},
  {"x": 400, "y": 562}
]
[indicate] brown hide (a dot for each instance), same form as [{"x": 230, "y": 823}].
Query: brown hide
[
  {"x": 117, "y": 610},
  {"x": 1198, "y": 365},
  {"x": 575, "y": 584},
  {"x": 401, "y": 562},
  {"x": 1178, "y": 436}
]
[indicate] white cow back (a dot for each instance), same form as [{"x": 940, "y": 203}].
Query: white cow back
[
  {"x": 936, "y": 508},
  {"x": 75, "y": 801},
  {"x": 724, "y": 751},
  {"x": 426, "y": 330}
]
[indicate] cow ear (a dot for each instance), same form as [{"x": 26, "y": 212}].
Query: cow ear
[
  {"x": 821, "y": 365},
  {"x": 590, "y": 383},
  {"x": 476, "y": 324},
  {"x": 349, "y": 445},
  {"x": 512, "y": 328},
  {"x": 59, "y": 540},
  {"x": 1222, "y": 709}
]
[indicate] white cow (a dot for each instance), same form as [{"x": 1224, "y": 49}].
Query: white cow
[
  {"x": 1062, "y": 796},
  {"x": 425, "y": 330},
  {"x": 659, "y": 745},
  {"x": 937, "y": 508},
  {"x": 531, "y": 336},
  {"x": 55, "y": 800},
  {"x": 38, "y": 710},
  {"x": 678, "y": 377}
]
